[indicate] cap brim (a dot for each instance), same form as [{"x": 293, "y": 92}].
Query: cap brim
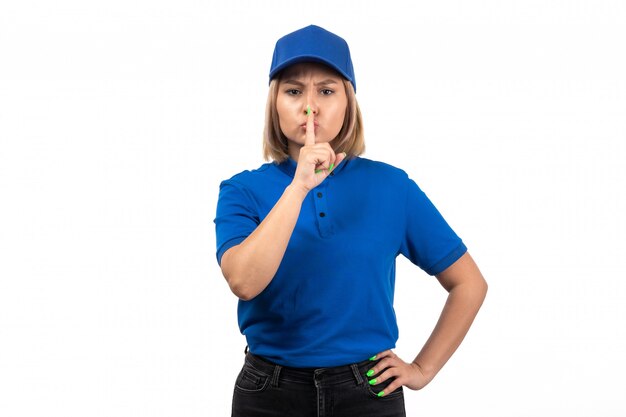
[{"x": 307, "y": 58}]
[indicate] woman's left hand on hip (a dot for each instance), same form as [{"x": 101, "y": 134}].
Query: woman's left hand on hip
[{"x": 407, "y": 374}]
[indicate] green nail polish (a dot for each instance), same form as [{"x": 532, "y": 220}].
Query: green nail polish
[
  {"x": 331, "y": 167},
  {"x": 373, "y": 358},
  {"x": 370, "y": 372},
  {"x": 317, "y": 171},
  {"x": 380, "y": 394},
  {"x": 373, "y": 381},
  {"x": 308, "y": 110}
]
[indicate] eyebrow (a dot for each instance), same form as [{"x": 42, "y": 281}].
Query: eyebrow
[{"x": 323, "y": 82}]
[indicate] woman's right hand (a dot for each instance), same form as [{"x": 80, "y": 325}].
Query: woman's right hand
[{"x": 316, "y": 160}]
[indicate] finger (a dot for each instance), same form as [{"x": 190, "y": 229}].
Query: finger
[
  {"x": 331, "y": 156},
  {"x": 383, "y": 354},
  {"x": 321, "y": 167},
  {"x": 384, "y": 375},
  {"x": 377, "y": 370},
  {"x": 338, "y": 159},
  {"x": 384, "y": 360},
  {"x": 310, "y": 127},
  {"x": 390, "y": 388},
  {"x": 324, "y": 157}
]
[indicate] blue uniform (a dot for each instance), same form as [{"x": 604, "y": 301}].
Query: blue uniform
[{"x": 331, "y": 300}]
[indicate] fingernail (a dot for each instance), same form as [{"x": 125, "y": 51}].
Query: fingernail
[
  {"x": 308, "y": 110},
  {"x": 317, "y": 171},
  {"x": 373, "y": 381},
  {"x": 331, "y": 167},
  {"x": 344, "y": 154},
  {"x": 373, "y": 358},
  {"x": 380, "y": 394},
  {"x": 370, "y": 372}
]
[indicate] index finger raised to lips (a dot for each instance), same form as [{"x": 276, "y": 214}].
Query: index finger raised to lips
[{"x": 310, "y": 128}]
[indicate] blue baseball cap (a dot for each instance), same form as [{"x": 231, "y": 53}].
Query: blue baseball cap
[{"x": 313, "y": 44}]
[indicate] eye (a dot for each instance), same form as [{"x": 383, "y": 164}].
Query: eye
[
  {"x": 292, "y": 92},
  {"x": 326, "y": 92}
]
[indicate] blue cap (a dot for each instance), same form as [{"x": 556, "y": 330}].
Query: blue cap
[{"x": 313, "y": 44}]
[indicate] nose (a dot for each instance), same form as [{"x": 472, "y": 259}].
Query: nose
[
  {"x": 313, "y": 106},
  {"x": 310, "y": 101}
]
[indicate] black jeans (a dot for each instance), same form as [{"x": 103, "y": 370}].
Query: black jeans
[{"x": 265, "y": 389}]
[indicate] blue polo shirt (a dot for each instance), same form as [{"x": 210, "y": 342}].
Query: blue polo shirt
[{"x": 331, "y": 300}]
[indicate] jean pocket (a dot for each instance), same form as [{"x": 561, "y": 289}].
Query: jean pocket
[{"x": 251, "y": 380}]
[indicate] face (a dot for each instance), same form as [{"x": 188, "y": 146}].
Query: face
[{"x": 315, "y": 85}]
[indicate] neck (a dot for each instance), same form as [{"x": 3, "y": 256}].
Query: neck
[{"x": 293, "y": 149}]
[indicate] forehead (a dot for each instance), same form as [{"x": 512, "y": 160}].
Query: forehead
[{"x": 310, "y": 69}]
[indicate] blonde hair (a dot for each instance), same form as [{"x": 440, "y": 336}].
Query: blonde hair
[{"x": 349, "y": 139}]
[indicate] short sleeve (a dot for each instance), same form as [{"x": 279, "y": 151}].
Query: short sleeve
[
  {"x": 429, "y": 242},
  {"x": 236, "y": 217}
]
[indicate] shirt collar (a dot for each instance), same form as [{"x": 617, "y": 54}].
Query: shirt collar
[{"x": 289, "y": 165}]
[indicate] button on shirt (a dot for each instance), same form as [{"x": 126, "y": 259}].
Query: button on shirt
[{"x": 331, "y": 300}]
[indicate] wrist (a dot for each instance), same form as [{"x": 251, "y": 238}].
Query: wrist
[
  {"x": 297, "y": 190},
  {"x": 427, "y": 373}
]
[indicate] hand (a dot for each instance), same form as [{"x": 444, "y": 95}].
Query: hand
[
  {"x": 316, "y": 160},
  {"x": 407, "y": 374}
]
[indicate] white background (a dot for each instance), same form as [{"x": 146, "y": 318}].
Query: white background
[{"x": 118, "y": 120}]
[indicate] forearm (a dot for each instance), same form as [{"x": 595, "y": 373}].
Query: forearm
[
  {"x": 250, "y": 266},
  {"x": 462, "y": 305}
]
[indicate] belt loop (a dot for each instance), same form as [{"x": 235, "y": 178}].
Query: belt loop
[
  {"x": 275, "y": 375},
  {"x": 357, "y": 374}
]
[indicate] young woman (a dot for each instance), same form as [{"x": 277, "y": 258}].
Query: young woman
[{"x": 308, "y": 243}]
